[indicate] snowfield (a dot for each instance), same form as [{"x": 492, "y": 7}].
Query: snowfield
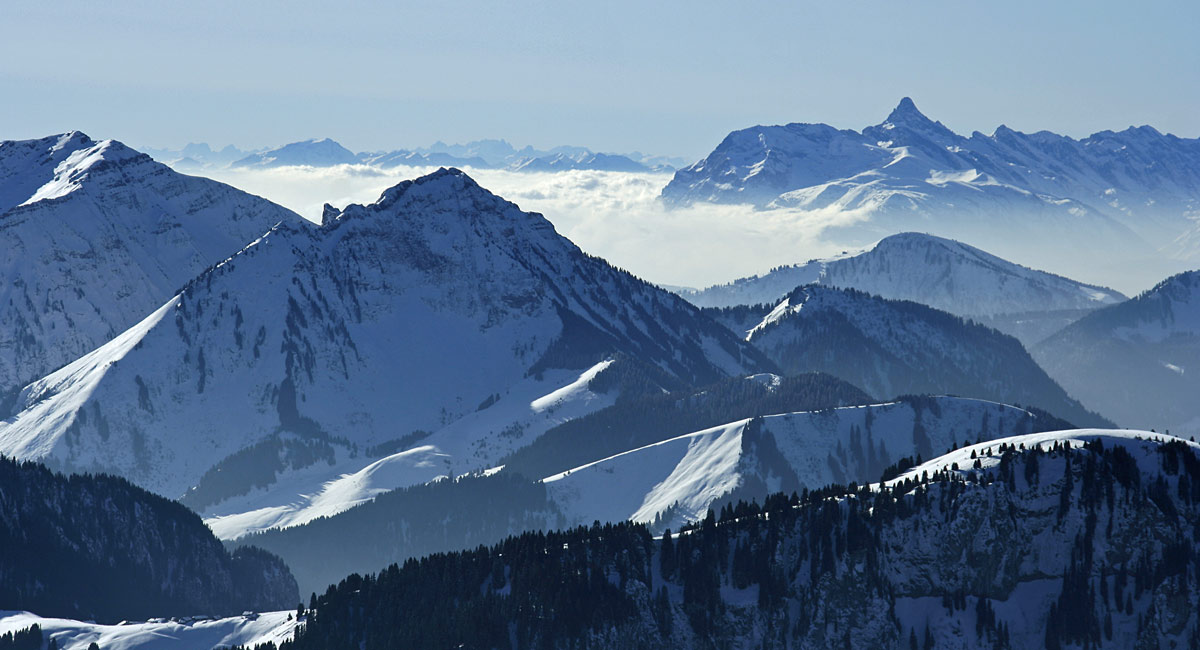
[{"x": 200, "y": 634}]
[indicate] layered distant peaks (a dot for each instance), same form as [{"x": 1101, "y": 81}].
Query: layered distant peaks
[
  {"x": 935, "y": 271},
  {"x": 1128, "y": 194}
]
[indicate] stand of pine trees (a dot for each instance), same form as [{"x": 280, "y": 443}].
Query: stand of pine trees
[{"x": 829, "y": 568}]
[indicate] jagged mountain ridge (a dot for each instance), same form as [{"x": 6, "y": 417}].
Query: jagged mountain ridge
[
  {"x": 1052, "y": 540},
  {"x": 1131, "y": 194},
  {"x": 888, "y": 347},
  {"x": 95, "y": 236},
  {"x": 942, "y": 273},
  {"x": 1137, "y": 362},
  {"x": 399, "y": 316},
  {"x": 764, "y": 163}
]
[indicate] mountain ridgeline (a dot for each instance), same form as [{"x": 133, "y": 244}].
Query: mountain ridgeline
[
  {"x": 97, "y": 547},
  {"x": 1033, "y": 196},
  {"x": 1048, "y": 540},
  {"x": 889, "y": 347},
  {"x": 941, "y": 273},
  {"x": 403, "y": 315},
  {"x": 646, "y": 419},
  {"x": 661, "y": 483},
  {"x": 1136, "y": 362}
]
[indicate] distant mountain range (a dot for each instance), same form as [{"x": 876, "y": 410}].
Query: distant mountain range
[
  {"x": 481, "y": 154},
  {"x": 1133, "y": 194},
  {"x": 938, "y": 272}
]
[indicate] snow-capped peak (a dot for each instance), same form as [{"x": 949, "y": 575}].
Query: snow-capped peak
[
  {"x": 135, "y": 230},
  {"x": 70, "y": 173},
  {"x": 943, "y": 273},
  {"x": 906, "y": 113}
]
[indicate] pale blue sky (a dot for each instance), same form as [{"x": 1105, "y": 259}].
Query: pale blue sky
[{"x": 664, "y": 77}]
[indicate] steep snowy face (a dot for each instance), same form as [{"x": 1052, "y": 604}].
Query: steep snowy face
[
  {"x": 942, "y": 273},
  {"x": 393, "y": 320},
  {"x": 676, "y": 481},
  {"x": 891, "y": 347},
  {"x": 312, "y": 153},
  {"x": 95, "y": 236},
  {"x": 1137, "y": 362}
]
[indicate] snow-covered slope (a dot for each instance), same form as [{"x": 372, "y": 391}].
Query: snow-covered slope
[
  {"x": 1129, "y": 191},
  {"x": 197, "y": 633},
  {"x": 676, "y": 481},
  {"x": 311, "y": 153},
  {"x": 395, "y": 318},
  {"x": 942, "y": 273},
  {"x": 893, "y": 347},
  {"x": 934, "y": 271},
  {"x": 526, "y": 411},
  {"x": 94, "y": 236},
  {"x": 1062, "y": 540},
  {"x": 1138, "y": 362}
]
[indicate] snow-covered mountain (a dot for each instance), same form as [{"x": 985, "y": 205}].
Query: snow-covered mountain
[
  {"x": 93, "y": 236},
  {"x": 934, "y": 271},
  {"x": 404, "y": 157},
  {"x": 584, "y": 160},
  {"x": 1061, "y": 539},
  {"x": 891, "y": 347},
  {"x": 421, "y": 312},
  {"x": 1138, "y": 362},
  {"x": 311, "y": 153},
  {"x": 1133, "y": 192},
  {"x": 670, "y": 483},
  {"x": 481, "y": 154}
]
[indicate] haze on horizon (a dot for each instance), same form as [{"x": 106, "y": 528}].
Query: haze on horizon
[{"x": 667, "y": 78}]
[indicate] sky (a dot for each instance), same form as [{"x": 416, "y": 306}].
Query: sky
[{"x": 666, "y": 77}]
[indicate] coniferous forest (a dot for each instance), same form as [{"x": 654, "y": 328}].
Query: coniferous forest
[{"x": 845, "y": 566}]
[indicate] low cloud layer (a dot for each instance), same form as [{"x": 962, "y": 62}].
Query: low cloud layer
[{"x": 614, "y": 215}]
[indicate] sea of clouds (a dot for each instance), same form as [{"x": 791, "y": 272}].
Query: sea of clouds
[{"x": 615, "y": 215}]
